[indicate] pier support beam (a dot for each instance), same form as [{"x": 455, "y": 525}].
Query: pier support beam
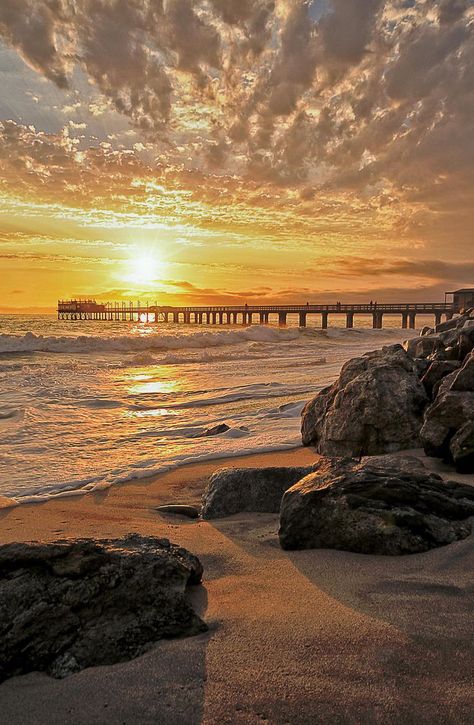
[
  {"x": 404, "y": 320},
  {"x": 412, "y": 320},
  {"x": 324, "y": 320},
  {"x": 262, "y": 318},
  {"x": 449, "y": 316},
  {"x": 438, "y": 316},
  {"x": 377, "y": 320},
  {"x": 302, "y": 319},
  {"x": 282, "y": 319},
  {"x": 350, "y": 320}
]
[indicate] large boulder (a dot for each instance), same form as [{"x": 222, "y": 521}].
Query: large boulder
[
  {"x": 233, "y": 490},
  {"x": 374, "y": 508},
  {"x": 451, "y": 411},
  {"x": 376, "y": 406},
  {"x": 74, "y": 604}
]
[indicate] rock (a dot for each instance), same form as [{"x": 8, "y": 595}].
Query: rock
[
  {"x": 451, "y": 340},
  {"x": 179, "y": 509},
  {"x": 421, "y": 366},
  {"x": 233, "y": 490},
  {"x": 452, "y": 409},
  {"x": 423, "y": 346},
  {"x": 462, "y": 448},
  {"x": 215, "y": 431},
  {"x": 376, "y": 406},
  {"x": 374, "y": 508},
  {"x": 73, "y": 604},
  {"x": 449, "y": 412},
  {"x": 405, "y": 463},
  {"x": 465, "y": 343},
  {"x": 464, "y": 380},
  {"x": 426, "y": 331},
  {"x": 437, "y": 370},
  {"x": 448, "y": 325}
]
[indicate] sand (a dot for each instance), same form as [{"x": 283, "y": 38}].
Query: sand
[{"x": 295, "y": 637}]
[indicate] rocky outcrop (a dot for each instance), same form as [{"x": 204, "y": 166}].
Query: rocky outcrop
[
  {"x": 233, "y": 490},
  {"x": 381, "y": 401},
  {"x": 446, "y": 431},
  {"x": 74, "y": 604},
  {"x": 450, "y": 340},
  {"x": 376, "y": 406},
  {"x": 374, "y": 507}
]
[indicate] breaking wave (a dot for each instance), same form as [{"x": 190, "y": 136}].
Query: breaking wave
[{"x": 146, "y": 343}]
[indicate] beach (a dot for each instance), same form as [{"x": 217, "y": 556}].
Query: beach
[{"x": 294, "y": 637}]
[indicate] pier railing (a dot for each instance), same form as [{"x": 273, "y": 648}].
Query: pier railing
[{"x": 90, "y": 309}]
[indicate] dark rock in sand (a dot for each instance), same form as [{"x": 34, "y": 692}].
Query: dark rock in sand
[
  {"x": 233, "y": 490},
  {"x": 376, "y": 406},
  {"x": 179, "y": 509},
  {"x": 374, "y": 508},
  {"x": 426, "y": 331},
  {"x": 436, "y": 371},
  {"x": 73, "y": 604},
  {"x": 462, "y": 448},
  {"x": 215, "y": 431}
]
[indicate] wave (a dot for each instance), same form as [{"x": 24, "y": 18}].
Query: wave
[
  {"x": 30, "y": 342},
  {"x": 147, "y": 469}
]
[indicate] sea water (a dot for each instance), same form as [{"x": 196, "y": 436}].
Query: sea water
[{"x": 85, "y": 405}]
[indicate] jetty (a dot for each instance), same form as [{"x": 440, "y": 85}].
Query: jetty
[{"x": 90, "y": 309}]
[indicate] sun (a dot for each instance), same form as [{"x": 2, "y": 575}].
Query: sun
[{"x": 144, "y": 268}]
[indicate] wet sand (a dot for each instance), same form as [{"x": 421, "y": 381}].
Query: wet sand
[{"x": 295, "y": 637}]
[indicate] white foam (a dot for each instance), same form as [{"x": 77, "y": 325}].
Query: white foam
[
  {"x": 86, "y": 419},
  {"x": 135, "y": 343}
]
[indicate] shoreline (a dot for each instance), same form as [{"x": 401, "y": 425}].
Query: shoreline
[
  {"x": 93, "y": 508},
  {"x": 288, "y": 631}
]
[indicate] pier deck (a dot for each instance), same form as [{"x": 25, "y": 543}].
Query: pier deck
[{"x": 250, "y": 314}]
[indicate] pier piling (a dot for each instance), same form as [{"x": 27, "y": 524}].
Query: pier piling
[{"x": 91, "y": 310}]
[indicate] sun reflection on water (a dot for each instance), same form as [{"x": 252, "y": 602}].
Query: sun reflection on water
[
  {"x": 154, "y": 413},
  {"x": 158, "y": 380}
]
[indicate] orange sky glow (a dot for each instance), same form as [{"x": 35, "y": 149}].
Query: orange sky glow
[{"x": 220, "y": 151}]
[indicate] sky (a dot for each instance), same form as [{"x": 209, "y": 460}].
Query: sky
[{"x": 221, "y": 151}]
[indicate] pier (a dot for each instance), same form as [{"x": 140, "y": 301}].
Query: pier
[{"x": 252, "y": 314}]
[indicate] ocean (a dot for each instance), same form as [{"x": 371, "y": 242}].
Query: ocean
[{"x": 86, "y": 405}]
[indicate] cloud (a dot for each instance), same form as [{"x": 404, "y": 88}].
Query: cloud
[
  {"x": 430, "y": 269},
  {"x": 317, "y": 115}
]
